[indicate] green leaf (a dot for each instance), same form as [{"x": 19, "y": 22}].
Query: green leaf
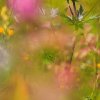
[
  {"x": 67, "y": 19},
  {"x": 92, "y": 18},
  {"x": 81, "y": 10}
]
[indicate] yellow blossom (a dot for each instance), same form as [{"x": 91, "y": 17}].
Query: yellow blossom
[
  {"x": 10, "y": 32},
  {"x": 1, "y": 30},
  {"x": 98, "y": 65}
]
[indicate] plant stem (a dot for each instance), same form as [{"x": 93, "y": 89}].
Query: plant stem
[
  {"x": 72, "y": 54},
  {"x": 74, "y": 6},
  {"x": 71, "y": 11},
  {"x": 73, "y": 50}
]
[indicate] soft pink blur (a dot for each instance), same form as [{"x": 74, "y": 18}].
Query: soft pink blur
[
  {"x": 65, "y": 77},
  {"x": 25, "y": 9}
]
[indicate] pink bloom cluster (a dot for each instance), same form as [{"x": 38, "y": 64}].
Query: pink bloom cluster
[
  {"x": 25, "y": 9},
  {"x": 66, "y": 77}
]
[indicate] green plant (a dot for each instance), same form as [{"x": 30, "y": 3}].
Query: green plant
[{"x": 78, "y": 19}]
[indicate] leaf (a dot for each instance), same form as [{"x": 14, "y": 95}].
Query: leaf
[
  {"x": 81, "y": 10},
  {"x": 91, "y": 18},
  {"x": 94, "y": 17},
  {"x": 67, "y": 18}
]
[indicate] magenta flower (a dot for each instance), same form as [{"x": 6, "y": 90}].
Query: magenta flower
[{"x": 25, "y": 9}]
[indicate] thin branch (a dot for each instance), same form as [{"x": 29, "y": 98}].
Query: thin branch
[
  {"x": 73, "y": 51},
  {"x": 71, "y": 11},
  {"x": 74, "y": 6}
]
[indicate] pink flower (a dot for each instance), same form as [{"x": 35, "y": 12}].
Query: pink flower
[
  {"x": 25, "y": 9},
  {"x": 65, "y": 77}
]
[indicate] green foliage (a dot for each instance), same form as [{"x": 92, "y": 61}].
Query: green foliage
[
  {"x": 81, "y": 10},
  {"x": 49, "y": 55},
  {"x": 78, "y": 17}
]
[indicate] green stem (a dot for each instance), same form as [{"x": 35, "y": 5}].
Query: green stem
[{"x": 73, "y": 50}]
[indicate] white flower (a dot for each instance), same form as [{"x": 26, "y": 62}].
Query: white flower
[
  {"x": 54, "y": 12},
  {"x": 80, "y": 17}
]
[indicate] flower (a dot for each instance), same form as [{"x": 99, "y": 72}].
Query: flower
[
  {"x": 25, "y": 9},
  {"x": 65, "y": 77},
  {"x": 54, "y": 12},
  {"x": 10, "y": 32},
  {"x": 98, "y": 65},
  {"x": 1, "y": 30}
]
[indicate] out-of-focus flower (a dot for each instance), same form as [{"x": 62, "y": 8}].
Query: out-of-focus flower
[
  {"x": 25, "y": 9},
  {"x": 1, "y": 30},
  {"x": 10, "y": 32},
  {"x": 54, "y": 12},
  {"x": 65, "y": 77},
  {"x": 80, "y": 17},
  {"x": 82, "y": 53},
  {"x": 91, "y": 39},
  {"x": 5, "y": 21},
  {"x": 98, "y": 65}
]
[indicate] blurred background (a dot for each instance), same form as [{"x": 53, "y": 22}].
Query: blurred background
[{"x": 36, "y": 46}]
